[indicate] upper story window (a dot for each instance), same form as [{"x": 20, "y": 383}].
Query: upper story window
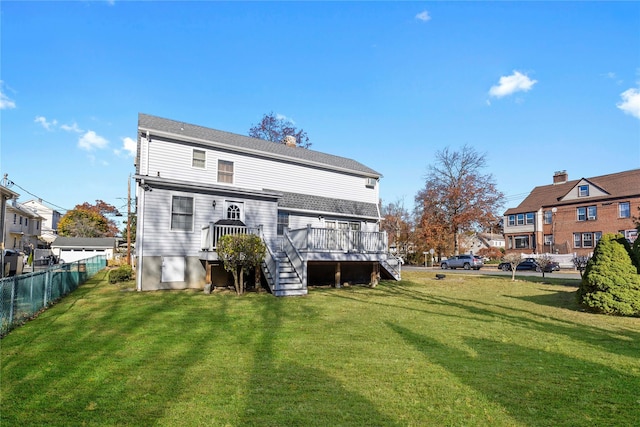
[
  {"x": 592, "y": 213},
  {"x": 583, "y": 190},
  {"x": 370, "y": 183},
  {"x": 511, "y": 220},
  {"x": 26, "y": 222},
  {"x": 529, "y": 218},
  {"x": 225, "y": 171},
  {"x": 20, "y": 220},
  {"x": 520, "y": 218},
  {"x": 199, "y": 159},
  {"x": 182, "y": 213},
  {"x": 15, "y": 218},
  {"x": 548, "y": 217},
  {"x": 624, "y": 210}
]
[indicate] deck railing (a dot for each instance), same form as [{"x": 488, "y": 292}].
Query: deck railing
[
  {"x": 342, "y": 240},
  {"x": 212, "y": 232}
]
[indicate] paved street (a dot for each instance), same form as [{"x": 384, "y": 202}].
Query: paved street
[{"x": 493, "y": 270}]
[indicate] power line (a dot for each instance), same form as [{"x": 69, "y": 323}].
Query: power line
[{"x": 8, "y": 183}]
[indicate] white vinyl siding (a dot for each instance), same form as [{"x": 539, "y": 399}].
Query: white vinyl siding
[{"x": 173, "y": 161}]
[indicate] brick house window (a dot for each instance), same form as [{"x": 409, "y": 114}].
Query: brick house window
[
  {"x": 577, "y": 240},
  {"x": 521, "y": 242},
  {"x": 624, "y": 210},
  {"x": 592, "y": 213},
  {"x": 529, "y": 218},
  {"x": 548, "y": 217},
  {"x": 587, "y": 240},
  {"x": 583, "y": 191},
  {"x": 582, "y": 214}
]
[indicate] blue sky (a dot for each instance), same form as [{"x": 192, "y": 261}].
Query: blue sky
[{"x": 535, "y": 86}]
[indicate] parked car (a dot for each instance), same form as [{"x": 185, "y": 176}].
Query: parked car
[
  {"x": 530, "y": 264},
  {"x": 462, "y": 261}
]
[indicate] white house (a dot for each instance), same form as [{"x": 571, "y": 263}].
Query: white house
[
  {"x": 22, "y": 227},
  {"x": 50, "y": 218},
  {"x": 317, "y": 213}
]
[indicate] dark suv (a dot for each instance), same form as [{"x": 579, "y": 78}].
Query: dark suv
[{"x": 462, "y": 261}]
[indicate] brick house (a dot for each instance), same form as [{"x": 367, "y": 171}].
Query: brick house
[{"x": 569, "y": 217}]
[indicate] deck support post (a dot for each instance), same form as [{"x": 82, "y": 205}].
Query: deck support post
[
  {"x": 375, "y": 275},
  {"x": 338, "y": 276}
]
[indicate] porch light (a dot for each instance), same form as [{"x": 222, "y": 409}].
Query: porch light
[{"x": 213, "y": 204}]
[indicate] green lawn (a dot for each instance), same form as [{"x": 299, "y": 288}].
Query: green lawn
[{"x": 466, "y": 350}]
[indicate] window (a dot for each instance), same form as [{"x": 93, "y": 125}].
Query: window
[
  {"x": 529, "y": 218},
  {"x": 199, "y": 159},
  {"x": 512, "y": 220},
  {"x": 520, "y": 219},
  {"x": 521, "y": 242},
  {"x": 548, "y": 217},
  {"x": 583, "y": 191},
  {"x": 283, "y": 222},
  {"x": 15, "y": 218},
  {"x": 182, "y": 213},
  {"x": 20, "y": 220},
  {"x": 592, "y": 213},
  {"x": 587, "y": 240},
  {"x": 234, "y": 212},
  {"x": 597, "y": 236},
  {"x": 624, "y": 210},
  {"x": 548, "y": 239},
  {"x": 225, "y": 171},
  {"x": 577, "y": 240},
  {"x": 26, "y": 222},
  {"x": 370, "y": 183},
  {"x": 582, "y": 214}
]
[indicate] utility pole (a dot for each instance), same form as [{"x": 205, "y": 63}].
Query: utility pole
[{"x": 129, "y": 220}]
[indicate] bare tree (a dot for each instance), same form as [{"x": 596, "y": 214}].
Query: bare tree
[
  {"x": 543, "y": 262},
  {"x": 457, "y": 197},
  {"x": 275, "y": 128},
  {"x": 513, "y": 259},
  {"x": 580, "y": 262},
  {"x": 397, "y": 222}
]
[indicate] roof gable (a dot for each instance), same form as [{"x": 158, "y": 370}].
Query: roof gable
[
  {"x": 612, "y": 186},
  {"x": 584, "y": 189}
]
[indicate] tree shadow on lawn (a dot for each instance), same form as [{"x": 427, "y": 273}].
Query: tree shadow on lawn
[
  {"x": 116, "y": 361},
  {"x": 623, "y": 342},
  {"x": 550, "y": 389},
  {"x": 311, "y": 398}
]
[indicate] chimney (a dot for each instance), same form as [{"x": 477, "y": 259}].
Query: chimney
[
  {"x": 289, "y": 141},
  {"x": 560, "y": 177}
]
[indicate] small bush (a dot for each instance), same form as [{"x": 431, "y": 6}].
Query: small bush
[
  {"x": 611, "y": 284},
  {"x": 121, "y": 274}
]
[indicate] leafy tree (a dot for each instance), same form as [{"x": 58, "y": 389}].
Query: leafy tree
[
  {"x": 275, "y": 128},
  {"x": 491, "y": 252},
  {"x": 611, "y": 283},
  {"x": 87, "y": 220},
  {"x": 239, "y": 252},
  {"x": 457, "y": 197}
]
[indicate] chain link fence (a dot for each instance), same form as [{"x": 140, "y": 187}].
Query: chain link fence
[{"x": 24, "y": 295}]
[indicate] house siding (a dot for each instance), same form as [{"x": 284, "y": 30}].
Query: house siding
[
  {"x": 172, "y": 160},
  {"x": 312, "y": 187}
]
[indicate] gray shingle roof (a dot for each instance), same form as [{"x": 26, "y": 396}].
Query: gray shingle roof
[
  {"x": 240, "y": 142},
  {"x": 327, "y": 205},
  {"x": 84, "y": 242}
]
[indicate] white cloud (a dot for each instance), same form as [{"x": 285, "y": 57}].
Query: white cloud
[
  {"x": 129, "y": 147},
  {"x": 283, "y": 117},
  {"x": 423, "y": 16},
  {"x": 71, "y": 128},
  {"x": 45, "y": 124},
  {"x": 6, "y": 103},
  {"x": 92, "y": 141},
  {"x": 630, "y": 102},
  {"x": 508, "y": 85}
]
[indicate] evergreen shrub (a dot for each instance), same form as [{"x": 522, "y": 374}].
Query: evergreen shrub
[
  {"x": 611, "y": 283},
  {"x": 121, "y": 274}
]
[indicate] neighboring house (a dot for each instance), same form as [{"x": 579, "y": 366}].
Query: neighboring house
[
  {"x": 50, "y": 220},
  {"x": 569, "y": 217},
  {"x": 71, "y": 249},
  {"x": 478, "y": 241},
  {"x": 5, "y": 195},
  {"x": 22, "y": 228},
  {"x": 318, "y": 214}
]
